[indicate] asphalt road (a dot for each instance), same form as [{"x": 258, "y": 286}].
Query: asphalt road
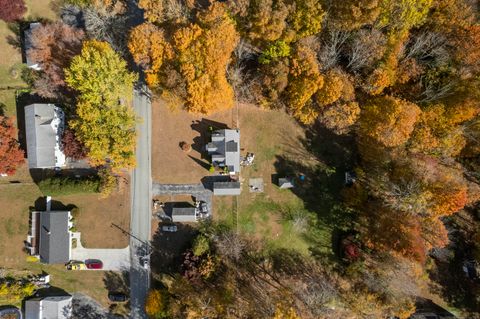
[{"x": 141, "y": 192}]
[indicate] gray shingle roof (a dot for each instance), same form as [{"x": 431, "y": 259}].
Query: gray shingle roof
[
  {"x": 225, "y": 149},
  {"x": 54, "y": 307},
  {"x": 54, "y": 237},
  {"x": 41, "y": 134},
  {"x": 226, "y": 188}
]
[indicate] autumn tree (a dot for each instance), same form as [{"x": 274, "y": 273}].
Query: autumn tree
[
  {"x": 12, "y": 10},
  {"x": 353, "y": 14},
  {"x": 203, "y": 53},
  {"x": 53, "y": 47},
  {"x": 150, "y": 49},
  {"x": 72, "y": 147},
  {"x": 105, "y": 121},
  {"x": 336, "y": 85},
  {"x": 340, "y": 117},
  {"x": 304, "y": 81},
  {"x": 388, "y": 120},
  {"x": 11, "y": 156},
  {"x": 156, "y": 304}
]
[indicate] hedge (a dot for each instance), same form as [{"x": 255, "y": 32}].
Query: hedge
[{"x": 58, "y": 186}]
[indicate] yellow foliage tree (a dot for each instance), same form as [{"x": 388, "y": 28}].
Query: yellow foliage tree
[
  {"x": 353, "y": 14},
  {"x": 336, "y": 86},
  {"x": 305, "y": 81},
  {"x": 388, "y": 120},
  {"x": 203, "y": 53},
  {"x": 156, "y": 304},
  {"x": 152, "y": 10},
  {"x": 340, "y": 117},
  {"x": 150, "y": 49},
  {"x": 283, "y": 312}
]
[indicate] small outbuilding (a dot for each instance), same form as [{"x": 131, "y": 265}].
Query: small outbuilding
[
  {"x": 184, "y": 214},
  {"x": 226, "y": 188},
  {"x": 285, "y": 182}
]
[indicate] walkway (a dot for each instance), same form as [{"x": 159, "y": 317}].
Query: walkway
[{"x": 113, "y": 259}]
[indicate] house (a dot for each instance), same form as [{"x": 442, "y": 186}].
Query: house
[
  {"x": 226, "y": 188},
  {"x": 184, "y": 214},
  {"x": 54, "y": 307},
  {"x": 44, "y": 125},
  {"x": 225, "y": 150},
  {"x": 49, "y": 236},
  {"x": 285, "y": 182},
  {"x": 28, "y": 45}
]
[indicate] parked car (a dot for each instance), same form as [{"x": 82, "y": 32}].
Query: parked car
[
  {"x": 76, "y": 265},
  {"x": 117, "y": 297},
  {"x": 94, "y": 264},
  {"x": 169, "y": 228}
]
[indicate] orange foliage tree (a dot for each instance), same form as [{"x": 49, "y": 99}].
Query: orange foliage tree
[
  {"x": 203, "y": 53},
  {"x": 388, "y": 120},
  {"x": 305, "y": 80}
]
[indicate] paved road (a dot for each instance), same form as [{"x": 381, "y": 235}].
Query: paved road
[
  {"x": 141, "y": 189},
  {"x": 113, "y": 259}
]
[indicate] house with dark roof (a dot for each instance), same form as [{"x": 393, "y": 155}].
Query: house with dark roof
[
  {"x": 28, "y": 45},
  {"x": 49, "y": 237},
  {"x": 51, "y": 307},
  {"x": 184, "y": 214},
  {"x": 225, "y": 150},
  {"x": 44, "y": 125}
]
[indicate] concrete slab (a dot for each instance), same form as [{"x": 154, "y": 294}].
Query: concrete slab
[{"x": 255, "y": 185}]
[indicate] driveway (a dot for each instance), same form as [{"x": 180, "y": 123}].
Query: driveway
[{"x": 113, "y": 259}]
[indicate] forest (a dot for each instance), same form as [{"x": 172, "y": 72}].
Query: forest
[{"x": 398, "y": 78}]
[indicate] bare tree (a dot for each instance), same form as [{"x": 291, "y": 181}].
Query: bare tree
[
  {"x": 230, "y": 245},
  {"x": 330, "y": 50},
  {"x": 428, "y": 47},
  {"x": 366, "y": 47}
]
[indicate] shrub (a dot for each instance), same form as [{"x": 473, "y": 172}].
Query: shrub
[
  {"x": 11, "y": 10},
  {"x": 57, "y": 186}
]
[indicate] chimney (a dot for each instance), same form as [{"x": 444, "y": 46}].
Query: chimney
[{"x": 49, "y": 203}]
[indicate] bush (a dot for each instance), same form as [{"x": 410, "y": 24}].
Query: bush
[
  {"x": 11, "y": 10},
  {"x": 201, "y": 245},
  {"x": 57, "y": 186}
]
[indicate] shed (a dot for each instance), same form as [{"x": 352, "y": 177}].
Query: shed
[
  {"x": 226, "y": 188},
  {"x": 58, "y": 307},
  {"x": 184, "y": 214},
  {"x": 285, "y": 182}
]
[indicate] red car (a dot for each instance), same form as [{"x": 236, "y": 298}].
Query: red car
[{"x": 94, "y": 264}]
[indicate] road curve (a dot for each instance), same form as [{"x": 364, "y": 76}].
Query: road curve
[{"x": 141, "y": 201}]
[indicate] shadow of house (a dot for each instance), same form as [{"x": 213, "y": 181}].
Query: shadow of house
[
  {"x": 208, "y": 181},
  {"x": 204, "y": 164}
]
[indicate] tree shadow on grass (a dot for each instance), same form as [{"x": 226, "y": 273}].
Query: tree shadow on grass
[
  {"x": 168, "y": 248},
  {"x": 319, "y": 168},
  {"x": 117, "y": 282}
]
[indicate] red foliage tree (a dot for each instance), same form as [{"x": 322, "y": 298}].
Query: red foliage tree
[
  {"x": 11, "y": 156},
  {"x": 72, "y": 147},
  {"x": 11, "y": 10}
]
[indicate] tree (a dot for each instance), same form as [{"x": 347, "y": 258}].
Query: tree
[
  {"x": 203, "y": 53},
  {"x": 105, "y": 121},
  {"x": 53, "y": 47},
  {"x": 388, "y": 120},
  {"x": 156, "y": 304},
  {"x": 278, "y": 49},
  {"x": 336, "y": 85},
  {"x": 304, "y": 81},
  {"x": 11, "y": 156},
  {"x": 99, "y": 74},
  {"x": 353, "y": 14},
  {"x": 402, "y": 15},
  {"x": 12, "y": 10},
  {"x": 340, "y": 117},
  {"x": 72, "y": 147},
  {"x": 150, "y": 49}
]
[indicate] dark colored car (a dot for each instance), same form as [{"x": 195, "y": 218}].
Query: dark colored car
[
  {"x": 94, "y": 264},
  {"x": 117, "y": 297}
]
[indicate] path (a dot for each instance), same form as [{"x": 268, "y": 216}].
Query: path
[
  {"x": 141, "y": 192},
  {"x": 113, "y": 259}
]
